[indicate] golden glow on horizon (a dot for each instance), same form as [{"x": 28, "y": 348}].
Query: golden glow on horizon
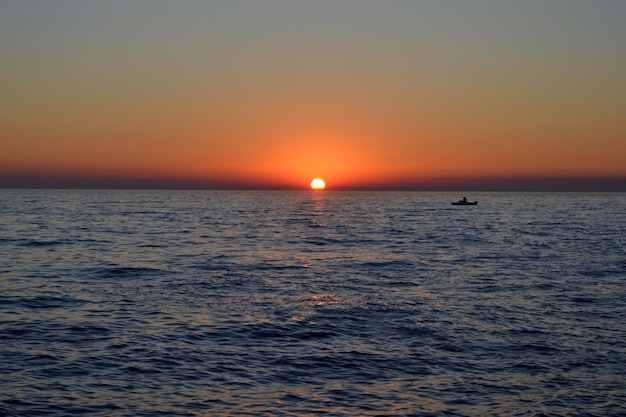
[{"x": 318, "y": 184}]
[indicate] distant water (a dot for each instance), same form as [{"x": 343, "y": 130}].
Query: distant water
[{"x": 205, "y": 303}]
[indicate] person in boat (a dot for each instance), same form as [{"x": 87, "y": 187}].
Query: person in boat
[{"x": 464, "y": 199}]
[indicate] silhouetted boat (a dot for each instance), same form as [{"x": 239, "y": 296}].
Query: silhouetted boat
[{"x": 464, "y": 203}]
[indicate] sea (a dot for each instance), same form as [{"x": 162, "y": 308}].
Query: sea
[{"x": 311, "y": 303}]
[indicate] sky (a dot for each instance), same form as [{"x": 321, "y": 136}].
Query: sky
[{"x": 366, "y": 94}]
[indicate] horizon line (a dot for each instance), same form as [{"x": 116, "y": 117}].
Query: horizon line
[{"x": 503, "y": 184}]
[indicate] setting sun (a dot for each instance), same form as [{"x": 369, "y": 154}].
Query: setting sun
[{"x": 318, "y": 184}]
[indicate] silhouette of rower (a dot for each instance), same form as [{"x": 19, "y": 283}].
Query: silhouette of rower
[{"x": 464, "y": 199}]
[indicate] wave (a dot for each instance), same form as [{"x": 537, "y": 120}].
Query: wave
[
  {"x": 45, "y": 243},
  {"x": 39, "y": 302},
  {"x": 125, "y": 272}
]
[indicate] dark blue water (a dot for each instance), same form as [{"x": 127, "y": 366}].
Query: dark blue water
[{"x": 145, "y": 303}]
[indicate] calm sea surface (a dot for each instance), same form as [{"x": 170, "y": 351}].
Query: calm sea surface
[{"x": 207, "y": 303}]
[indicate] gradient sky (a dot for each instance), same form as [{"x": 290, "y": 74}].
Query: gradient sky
[{"x": 274, "y": 93}]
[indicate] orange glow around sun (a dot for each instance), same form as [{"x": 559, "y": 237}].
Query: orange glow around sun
[{"x": 318, "y": 184}]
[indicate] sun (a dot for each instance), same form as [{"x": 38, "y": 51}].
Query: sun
[{"x": 318, "y": 184}]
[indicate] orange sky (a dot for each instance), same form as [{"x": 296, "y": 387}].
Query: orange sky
[{"x": 360, "y": 93}]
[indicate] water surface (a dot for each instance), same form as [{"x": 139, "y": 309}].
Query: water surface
[{"x": 144, "y": 303}]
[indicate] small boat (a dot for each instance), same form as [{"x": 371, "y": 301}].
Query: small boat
[{"x": 464, "y": 203}]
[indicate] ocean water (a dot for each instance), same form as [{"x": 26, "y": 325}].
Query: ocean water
[{"x": 232, "y": 303}]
